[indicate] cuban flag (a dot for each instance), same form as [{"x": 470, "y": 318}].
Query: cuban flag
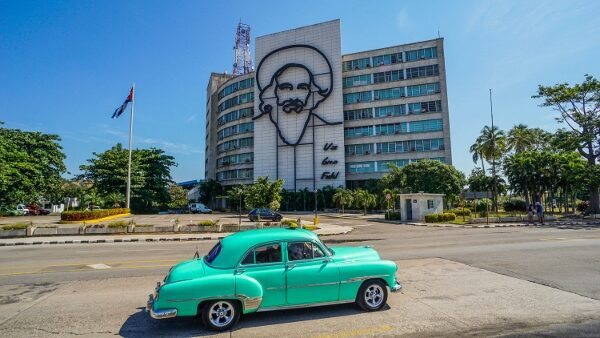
[{"x": 122, "y": 108}]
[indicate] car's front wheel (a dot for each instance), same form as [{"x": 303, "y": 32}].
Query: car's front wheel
[
  {"x": 220, "y": 315},
  {"x": 372, "y": 295}
]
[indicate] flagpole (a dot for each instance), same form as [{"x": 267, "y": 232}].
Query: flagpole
[{"x": 130, "y": 139}]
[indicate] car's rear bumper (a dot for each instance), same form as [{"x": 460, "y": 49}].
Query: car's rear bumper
[{"x": 159, "y": 314}]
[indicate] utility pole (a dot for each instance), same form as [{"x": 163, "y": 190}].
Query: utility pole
[
  {"x": 130, "y": 139},
  {"x": 493, "y": 157}
]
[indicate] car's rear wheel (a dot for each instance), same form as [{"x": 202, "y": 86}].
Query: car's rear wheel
[
  {"x": 220, "y": 315},
  {"x": 372, "y": 295}
]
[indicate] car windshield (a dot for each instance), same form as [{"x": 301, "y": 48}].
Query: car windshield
[
  {"x": 327, "y": 248},
  {"x": 213, "y": 253}
]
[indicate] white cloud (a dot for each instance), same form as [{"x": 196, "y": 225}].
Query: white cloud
[
  {"x": 171, "y": 147},
  {"x": 402, "y": 19},
  {"x": 191, "y": 118}
]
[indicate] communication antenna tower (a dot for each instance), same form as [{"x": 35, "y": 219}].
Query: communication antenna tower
[{"x": 242, "y": 64}]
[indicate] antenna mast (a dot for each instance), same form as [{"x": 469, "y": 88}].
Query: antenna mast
[{"x": 242, "y": 63}]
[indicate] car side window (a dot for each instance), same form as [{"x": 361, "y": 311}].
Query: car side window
[
  {"x": 268, "y": 254},
  {"x": 317, "y": 252},
  {"x": 249, "y": 259},
  {"x": 302, "y": 250}
]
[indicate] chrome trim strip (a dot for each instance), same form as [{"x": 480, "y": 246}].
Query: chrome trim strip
[
  {"x": 285, "y": 307},
  {"x": 273, "y": 288},
  {"x": 250, "y": 303},
  {"x": 311, "y": 285},
  {"x": 396, "y": 287},
  {"x": 363, "y": 278},
  {"x": 201, "y": 299}
]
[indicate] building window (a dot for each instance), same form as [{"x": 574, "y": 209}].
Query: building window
[
  {"x": 386, "y": 111},
  {"x": 360, "y": 167},
  {"x": 359, "y": 149},
  {"x": 429, "y": 204},
  {"x": 383, "y": 166},
  {"x": 359, "y": 80},
  {"x": 357, "y": 97},
  {"x": 393, "y": 75},
  {"x": 387, "y": 59},
  {"x": 390, "y": 129},
  {"x": 236, "y": 100},
  {"x": 424, "y": 89},
  {"x": 358, "y": 131},
  {"x": 235, "y": 115},
  {"x": 389, "y": 93},
  {"x": 421, "y": 54},
  {"x": 425, "y": 126},
  {"x": 237, "y": 129},
  {"x": 413, "y": 73},
  {"x": 235, "y": 174},
  {"x": 410, "y": 146},
  {"x": 235, "y": 144},
  {"x": 358, "y": 114},
  {"x": 425, "y": 107},
  {"x": 356, "y": 64},
  {"x": 234, "y": 87},
  {"x": 236, "y": 159}
]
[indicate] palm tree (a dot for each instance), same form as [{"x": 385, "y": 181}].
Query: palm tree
[
  {"x": 520, "y": 138},
  {"x": 343, "y": 197},
  {"x": 477, "y": 156},
  {"x": 364, "y": 199},
  {"x": 491, "y": 145}
]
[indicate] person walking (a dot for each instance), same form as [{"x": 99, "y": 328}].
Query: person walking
[{"x": 539, "y": 209}]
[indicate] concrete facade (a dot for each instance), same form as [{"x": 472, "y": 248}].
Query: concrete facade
[{"x": 392, "y": 103}]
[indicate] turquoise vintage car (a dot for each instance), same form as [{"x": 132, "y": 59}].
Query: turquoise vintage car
[{"x": 272, "y": 269}]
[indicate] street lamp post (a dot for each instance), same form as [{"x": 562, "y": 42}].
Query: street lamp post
[{"x": 315, "y": 221}]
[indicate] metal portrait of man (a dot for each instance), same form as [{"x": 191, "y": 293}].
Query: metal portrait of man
[{"x": 290, "y": 95}]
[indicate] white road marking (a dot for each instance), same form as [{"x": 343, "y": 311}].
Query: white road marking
[{"x": 99, "y": 266}]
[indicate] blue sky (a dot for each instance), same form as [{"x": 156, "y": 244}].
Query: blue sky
[{"x": 66, "y": 65}]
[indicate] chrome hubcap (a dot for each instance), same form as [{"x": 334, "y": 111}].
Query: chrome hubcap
[
  {"x": 374, "y": 295},
  {"x": 221, "y": 313}
]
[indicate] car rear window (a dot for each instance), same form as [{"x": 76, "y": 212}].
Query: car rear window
[{"x": 213, "y": 253}]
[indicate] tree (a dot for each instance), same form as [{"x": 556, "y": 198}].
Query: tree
[
  {"x": 491, "y": 145},
  {"x": 236, "y": 196},
  {"x": 263, "y": 193},
  {"x": 520, "y": 138},
  {"x": 364, "y": 199},
  {"x": 579, "y": 108},
  {"x": 209, "y": 190},
  {"x": 31, "y": 164},
  {"x": 150, "y": 175},
  {"x": 177, "y": 197},
  {"x": 343, "y": 197},
  {"x": 433, "y": 177}
]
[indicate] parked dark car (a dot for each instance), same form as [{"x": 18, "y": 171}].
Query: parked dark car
[
  {"x": 264, "y": 214},
  {"x": 35, "y": 210}
]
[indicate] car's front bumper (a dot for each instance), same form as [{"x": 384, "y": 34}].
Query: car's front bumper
[{"x": 159, "y": 314}]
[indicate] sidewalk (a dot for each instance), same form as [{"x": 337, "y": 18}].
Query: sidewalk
[{"x": 324, "y": 230}]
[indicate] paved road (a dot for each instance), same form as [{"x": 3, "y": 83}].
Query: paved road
[{"x": 457, "y": 282}]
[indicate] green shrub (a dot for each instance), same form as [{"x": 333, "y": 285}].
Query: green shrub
[
  {"x": 16, "y": 226},
  {"x": 118, "y": 224},
  {"x": 393, "y": 216},
  {"x": 143, "y": 225},
  {"x": 86, "y": 215},
  {"x": 582, "y": 206},
  {"x": 445, "y": 217},
  {"x": 460, "y": 212},
  {"x": 207, "y": 223},
  {"x": 514, "y": 204}
]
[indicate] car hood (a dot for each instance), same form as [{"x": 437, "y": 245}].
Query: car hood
[
  {"x": 191, "y": 269},
  {"x": 353, "y": 253}
]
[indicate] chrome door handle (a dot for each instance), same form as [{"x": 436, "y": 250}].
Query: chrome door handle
[
  {"x": 291, "y": 266},
  {"x": 240, "y": 271}
]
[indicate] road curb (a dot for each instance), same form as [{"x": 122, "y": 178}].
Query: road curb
[{"x": 117, "y": 240}]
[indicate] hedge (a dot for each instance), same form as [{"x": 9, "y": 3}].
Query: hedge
[
  {"x": 208, "y": 223},
  {"x": 73, "y": 216},
  {"x": 460, "y": 212},
  {"x": 445, "y": 217},
  {"x": 392, "y": 216},
  {"x": 17, "y": 226},
  {"x": 514, "y": 205}
]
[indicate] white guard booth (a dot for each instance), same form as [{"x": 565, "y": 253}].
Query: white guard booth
[{"x": 414, "y": 207}]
